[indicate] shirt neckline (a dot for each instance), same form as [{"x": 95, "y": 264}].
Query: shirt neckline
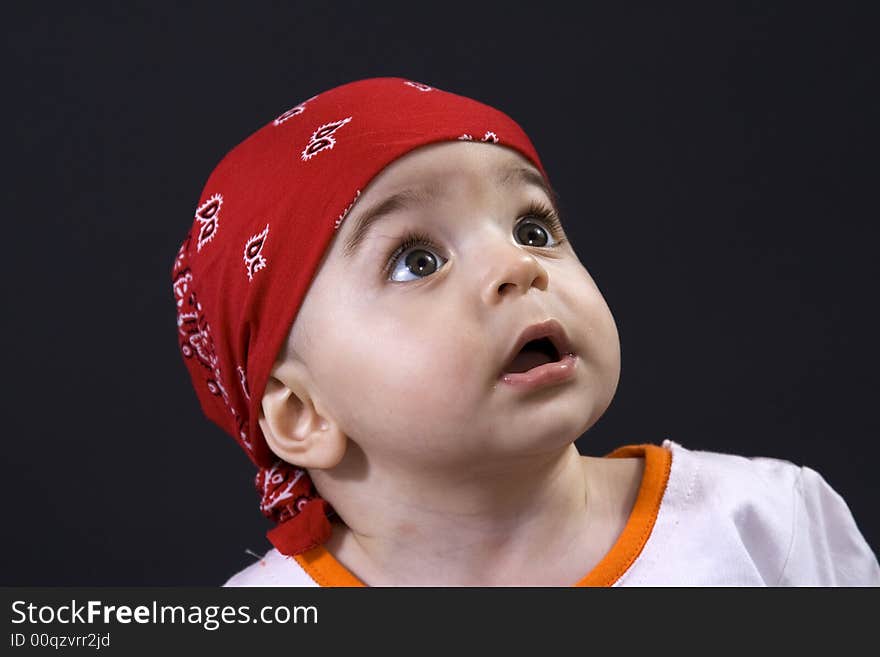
[{"x": 325, "y": 570}]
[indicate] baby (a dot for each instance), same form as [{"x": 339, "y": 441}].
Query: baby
[{"x": 378, "y": 301}]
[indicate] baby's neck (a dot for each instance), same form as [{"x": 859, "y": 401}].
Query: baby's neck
[{"x": 547, "y": 526}]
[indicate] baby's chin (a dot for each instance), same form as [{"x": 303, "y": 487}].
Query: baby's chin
[
  {"x": 562, "y": 425},
  {"x": 516, "y": 438}
]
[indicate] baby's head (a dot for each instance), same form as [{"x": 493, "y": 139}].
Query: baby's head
[{"x": 339, "y": 352}]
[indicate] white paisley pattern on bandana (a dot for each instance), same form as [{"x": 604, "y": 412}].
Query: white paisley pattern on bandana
[
  {"x": 296, "y": 110},
  {"x": 208, "y": 214},
  {"x": 253, "y": 259},
  {"x": 418, "y": 85},
  {"x": 323, "y": 138}
]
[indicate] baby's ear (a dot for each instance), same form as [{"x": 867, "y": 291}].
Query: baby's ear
[{"x": 293, "y": 427}]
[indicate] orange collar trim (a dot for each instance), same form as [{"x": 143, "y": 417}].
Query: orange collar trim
[{"x": 323, "y": 567}]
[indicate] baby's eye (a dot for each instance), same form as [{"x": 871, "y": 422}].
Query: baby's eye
[
  {"x": 416, "y": 261},
  {"x": 531, "y": 233},
  {"x": 408, "y": 261}
]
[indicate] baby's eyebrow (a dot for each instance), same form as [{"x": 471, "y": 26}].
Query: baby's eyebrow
[{"x": 410, "y": 197}]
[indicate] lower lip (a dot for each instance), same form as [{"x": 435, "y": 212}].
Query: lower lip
[{"x": 556, "y": 372}]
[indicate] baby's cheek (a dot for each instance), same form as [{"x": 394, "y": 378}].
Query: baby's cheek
[
  {"x": 600, "y": 342},
  {"x": 421, "y": 377},
  {"x": 405, "y": 405},
  {"x": 425, "y": 367}
]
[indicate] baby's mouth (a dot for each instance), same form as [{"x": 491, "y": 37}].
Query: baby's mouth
[
  {"x": 533, "y": 354},
  {"x": 537, "y": 345}
]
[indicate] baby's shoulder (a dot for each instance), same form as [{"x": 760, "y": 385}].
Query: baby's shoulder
[
  {"x": 727, "y": 476},
  {"x": 794, "y": 525},
  {"x": 273, "y": 569},
  {"x": 749, "y": 499}
]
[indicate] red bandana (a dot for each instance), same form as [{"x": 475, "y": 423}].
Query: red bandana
[{"x": 266, "y": 216}]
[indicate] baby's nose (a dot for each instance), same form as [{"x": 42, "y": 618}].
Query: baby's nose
[{"x": 511, "y": 270}]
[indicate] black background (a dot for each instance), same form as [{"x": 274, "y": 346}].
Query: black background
[{"x": 717, "y": 167}]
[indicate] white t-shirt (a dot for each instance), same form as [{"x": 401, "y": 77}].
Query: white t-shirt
[{"x": 700, "y": 519}]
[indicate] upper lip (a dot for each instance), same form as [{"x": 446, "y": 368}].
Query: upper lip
[{"x": 550, "y": 329}]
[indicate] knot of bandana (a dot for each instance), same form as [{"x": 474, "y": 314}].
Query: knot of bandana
[
  {"x": 289, "y": 498},
  {"x": 264, "y": 220}
]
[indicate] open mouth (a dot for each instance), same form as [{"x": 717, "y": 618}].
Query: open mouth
[
  {"x": 542, "y": 355},
  {"x": 533, "y": 354}
]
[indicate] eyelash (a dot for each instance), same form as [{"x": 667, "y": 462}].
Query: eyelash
[{"x": 536, "y": 209}]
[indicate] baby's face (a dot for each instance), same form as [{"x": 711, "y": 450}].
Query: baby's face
[{"x": 404, "y": 350}]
